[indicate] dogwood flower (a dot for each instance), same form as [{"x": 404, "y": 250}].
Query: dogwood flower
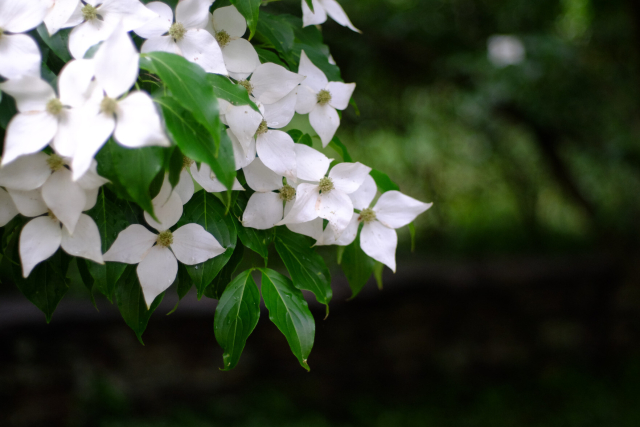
[
  {"x": 319, "y": 14},
  {"x": 208, "y": 180},
  {"x": 186, "y": 37},
  {"x": 96, "y": 20},
  {"x": 320, "y": 98},
  {"x": 19, "y": 53},
  {"x": 157, "y": 255},
  {"x": 8, "y": 209}
]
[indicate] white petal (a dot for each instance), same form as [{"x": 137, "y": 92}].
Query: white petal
[
  {"x": 21, "y": 16},
  {"x": 364, "y": 195},
  {"x": 379, "y": 242},
  {"x": 168, "y": 213},
  {"x": 28, "y": 133},
  {"x": 157, "y": 26},
  {"x": 138, "y": 123},
  {"x": 345, "y": 238},
  {"x": 29, "y": 203},
  {"x": 312, "y": 228},
  {"x": 230, "y": 20},
  {"x": 76, "y": 17},
  {"x": 8, "y": 209},
  {"x": 91, "y": 136},
  {"x": 192, "y": 244},
  {"x": 224, "y": 107},
  {"x": 19, "y": 56},
  {"x": 185, "y": 187},
  {"x": 85, "y": 240},
  {"x": 116, "y": 63},
  {"x": 396, "y": 210},
  {"x": 26, "y": 172},
  {"x": 88, "y": 34},
  {"x": 304, "y": 208},
  {"x": 280, "y": 113},
  {"x": 161, "y": 44},
  {"x": 31, "y": 93},
  {"x": 261, "y": 178},
  {"x": 91, "y": 180},
  {"x": 312, "y": 165},
  {"x": 325, "y": 121},
  {"x": 263, "y": 211},
  {"x": 74, "y": 82},
  {"x": 306, "y": 100},
  {"x": 242, "y": 156},
  {"x": 348, "y": 177},
  {"x": 131, "y": 246},
  {"x": 335, "y": 11},
  {"x": 208, "y": 180},
  {"x": 92, "y": 199},
  {"x": 39, "y": 239},
  {"x": 272, "y": 82},
  {"x": 336, "y": 207},
  {"x": 200, "y": 47},
  {"x": 340, "y": 94},
  {"x": 131, "y": 14},
  {"x": 193, "y": 13},
  {"x": 276, "y": 149},
  {"x": 315, "y": 78},
  {"x": 240, "y": 57},
  {"x": 244, "y": 122},
  {"x": 156, "y": 272},
  {"x": 65, "y": 140},
  {"x": 65, "y": 198},
  {"x": 318, "y": 16},
  {"x": 60, "y": 14}
]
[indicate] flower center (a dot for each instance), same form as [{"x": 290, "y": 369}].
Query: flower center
[
  {"x": 165, "y": 239},
  {"x": 89, "y": 12},
  {"x": 177, "y": 31},
  {"x": 324, "y": 97},
  {"x": 262, "y": 129},
  {"x": 287, "y": 193},
  {"x": 247, "y": 85},
  {"x": 55, "y": 162},
  {"x": 367, "y": 215},
  {"x": 52, "y": 215},
  {"x": 326, "y": 185},
  {"x": 186, "y": 162},
  {"x": 223, "y": 38},
  {"x": 108, "y": 105},
  {"x": 54, "y": 106}
]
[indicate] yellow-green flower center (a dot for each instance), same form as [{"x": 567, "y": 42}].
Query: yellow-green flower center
[
  {"x": 186, "y": 162},
  {"x": 108, "y": 105},
  {"x": 367, "y": 215},
  {"x": 287, "y": 193},
  {"x": 55, "y": 162},
  {"x": 54, "y": 106},
  {"x": 223, "y": 38},
  {"x": 89, "y": 12},
  {"x": 326, "y": 185},
  {"x": 247, "y": 85},
  {"x": 324, "y": 97},
  {"x": 177, "y": 31},
  {"x": 165, "y": 239},
  {"x": 262, "y": 129}
]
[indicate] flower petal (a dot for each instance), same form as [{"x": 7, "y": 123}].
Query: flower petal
[
  {"x": 185, "y": 187},
  {"x": 74, "y": 82},
  {"x": 241, "y": 156},
  {"x": 116, "y": 63},
  {"x": 161, "y": 44},
  {"x": 88, "y": 34},
  {"x": 240, "y": 57},
  {"x": 65, "y": 140},
  {"x": 22, "y": 16},
  {"x": 243, "y": 122},
  {"x": 29, "y": 203},
  {"x": 192, "y": 244},
  {"x": 312, "y": 165},
  {"x": 304, "y": 208},
  {"x": 325, "y": 121},
  {"x": 279, "y": 114},
  {"x": 8, "y": 209},
  {"x": 348, "y": 177},
  {"x": 336, "y": 207},
  {"x": 92, "y": 133},
  {"x": 396, "y": 210},
  {"x": 263, "y": 211},
  {"x": 91, "y": 180},
  {"x": 65, "y": 198},
  {"x": 315, "y": 78},
  {"x": 345, "y": 238},
  {"x": 193, "y": 13},
  {"x": 311, "y": 228},
  {"x": 19, "y": 56},
  {"x": 31, "y": 93},
  {"x": 364, "y": 195},
  {"x": 157, "y": 26},
  {"x": 230, "y": 20},
  {"x": 272, "y": 82},
  {"x": 28, "y": 133},
  {"x": 318, "y": 16},
  {"x": 200, "y": 47},
  {"x": 92, "y": 198},
  {"x": 39, "y": 239},
  {"x": 85, "y": 241},
  {"x": 335, "y": 11},
  {"x": 340, "y": 94},
  {"x": 276, "y": 149},
  {"x": 60, "y": 14},
  {"x": 379, "y": 242},
  {"x": 26, "y": 172},
  {"x": 207, "y": 180},
  {"x": 156, "y": 272},
  {"x": 131, "y": 14},
  {"x": 138, "y": 123},
  {"x": 306, "y": 100},
  {"x": 261, "y": 178},
  {"x": 167, "y": 213},
  {"x": 131, "y": 245}
]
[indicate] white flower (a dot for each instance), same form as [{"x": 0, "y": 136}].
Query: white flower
[
  {"x": 208, "y": 180},
  {"x": 327, "y": 197},
  {"x": 320, "y": 10},
  {"x": 186, "y": 37},
  {"x": 133, "y": 119},
  {"x": 19, "y": 53},
  {"x": 320, "y": 98},
  {"x": 43, "y": 117},
  {"x": 8, "y": 209},
  {"x": 228, "y": 26},
  {"x": 95, "y": 20},
  {"x": 157, "y": 255}
]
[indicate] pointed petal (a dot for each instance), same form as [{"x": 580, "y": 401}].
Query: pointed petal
[
  {"x": 116, "y": 63},
  {"x": 8, "y": 209},
  {"x": 92, "y": 199},
  {"x": 88, "y": 34},
  {"x": 26, "y": 172},
  {"x": 157, "y": 26},
  {"x": 306, "y": 100},
  {"x": 340, "y": 94},
  {"x": 192, "y": 244},
  {"x": 28, "y": 133},
  {"x": 168, "y": 213},
  {"x": 156, "y": 272},
  {"x": 65, "y": 198},
  {"x": 280, "y": 113},
  {"x": 131, "y": 14},
  {"x": 193, "y": 13},
  {"x": 263, "y": 211},
  {"x": 318, "y": 16},
  {"x": 311, "y": 228},
  {"x": 200, "y": 47},
  {"x": 64, "y": 141},
  {"x": 272, "y": 82},
  {"x": 276, "y": 149},
  {"x": 336, "y": 207},
  {"x": 138, "y": 123},
  {"x": 312, "y": 165},
  {"x": 240, "y": 57},
  {"x": 304, "y": 208},
  {"x": 131, "y": 245},
  {"x": 39, "y": 239},
  {"x": 19, "y": 56},
  {"x": 230, "y": 20},
  {"x": 379, "y": 242},
  {"x": 160, "y": 44},
  {"x": 315, "y": 78},
  {"x": 31, "y": 93},
  {"x": 396, "y": 210},
  {"x": 207, "y": 180},
  {"x": 185, "y": 187},
  {"x": 91, "y": 180},
  {"x": 348, "y": 177},
  {"x": 242, "y": 156},
  {"x": 335, "y": 11},
  {"x": 261, "y": 178},
  {"x": 74, "y": 82},
  {"x": 364, "y": 195},
  {"x": 76, "y": 17},
  {"x": 59, "y": 15},
  {"x": 29, "y": 203},
  {"x": 85, "y": 241},
  {"x": 243, "y": 122},
  {"x": 22, "y": 16},
  {"x": 345, "y": 238},
  {"x": 325, "y": 121},
  {"x": 91, "y": 136}
]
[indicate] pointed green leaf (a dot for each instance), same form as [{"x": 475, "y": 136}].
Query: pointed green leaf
[
  {"x": 220, "y": 282},
  {"x": 237, "y": 315},
  {"x": 57, "y": 43},
  {"x": 275, "y": 30},
  {"x": 357, "y": 266},
  {"x": 377, "y": 272},
  {"x": 256, "y": 240},
  {"x": 250, "y": 9},
  {"x": 310, "y": 4},
  {"x": 341, "y": 149},
  {"x": 225, "y": 166},
  {"x": 184, "y": 284},
  {"x": 290, "y": 313},
  {"x": 412, "y": 231},
  {"x": 174, "y": 166},
  {"x": 268, "y": 56},
  {"x": 225, "y": 89},
  {"x": 383, "y": 181}
]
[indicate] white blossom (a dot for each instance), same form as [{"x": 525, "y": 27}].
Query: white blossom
[{"x": 320, "y": 10}]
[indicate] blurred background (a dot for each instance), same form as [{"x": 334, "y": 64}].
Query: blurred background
[{"x": 520, "y": 120}]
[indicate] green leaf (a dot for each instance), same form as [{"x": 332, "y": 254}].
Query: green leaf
[
  {"x": 308, "y": 269},
  {"x": 268, "y": 56},
  {"x": 237, "y": 315},
  {"x": 357, "y": 266},
  {"x": 7, "y": 111},
  {"x": 295, "y": 134},
  {"x": 341, "y": 149},
  {"x": 220, "y": 282},
  {"x": 233, "y": 93},
  {"x": 57, "y": 43},
  {"x": 250, "y": 9},
  {"x": 278, "y": 32},
  {"x": 412, "y": 231},
  {"x": 87, "y": 278},
  {"x": 377, "y": 272},
  {"x": 290, "y": 313},
  {"x": 256, "y": 240},
  {"x": 205, "y": 209},
  {"x": 131, "y": 302},
  {"x": 174, "y": 166},
  {"x": 189, "y": 86},
  {"x": 225, "y": 167},
  {"x": 383, "y": 181},
  {"x": 310, "y": 4},
  {"x": 184, "y": 284}
]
